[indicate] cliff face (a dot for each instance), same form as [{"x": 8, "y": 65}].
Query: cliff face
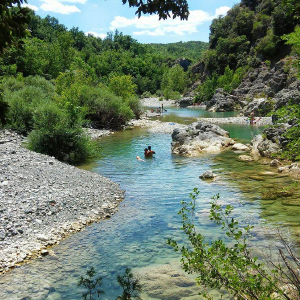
[{"x": 263, "y": 90}]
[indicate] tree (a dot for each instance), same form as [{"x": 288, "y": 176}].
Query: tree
[
  {"x": 13, "y": 22},
  {"x": 122, "y": 86},
  {"x": 178, "y": 8}
]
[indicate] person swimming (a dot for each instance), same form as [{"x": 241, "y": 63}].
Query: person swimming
[
  {"x": 139, "y": 159},
  {"x": 148, "y": 152}
]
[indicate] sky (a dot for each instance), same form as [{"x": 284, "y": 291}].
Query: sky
[{"x": 98, "y": 17}]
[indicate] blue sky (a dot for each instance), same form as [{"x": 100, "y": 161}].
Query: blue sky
[{"x": 101, "y": 16}]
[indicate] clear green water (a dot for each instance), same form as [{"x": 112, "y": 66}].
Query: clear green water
[
  {"x": 136, "y": 235},
  {"x": 187, "y": 116}
]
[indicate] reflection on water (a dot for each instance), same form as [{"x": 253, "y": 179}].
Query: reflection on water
[{"x": 136, "y": 236}]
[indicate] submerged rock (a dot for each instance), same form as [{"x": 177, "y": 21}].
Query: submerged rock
[
  {"x": 245, "y": 158},
  {"x": 207, "y": 175},
  {"x": 200, "y": 137},
  {"x": 240, "y": 147}
]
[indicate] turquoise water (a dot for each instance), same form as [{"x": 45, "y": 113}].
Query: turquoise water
[
  {"x": 136, "y": 235},
  {"x": 186, "y": 116}
]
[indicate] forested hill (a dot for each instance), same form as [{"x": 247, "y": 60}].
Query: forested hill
[
  {"x": 51, "y": 48},
  {"x": 252, "y": 32},
  {"x": 189, "y": 50}
]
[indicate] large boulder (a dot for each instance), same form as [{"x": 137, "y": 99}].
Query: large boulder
[
  {"x": 289, "y": 95},
  {"x": 260, "y": 107},
  {"x": 221, "y": 101},
  {"x": 272, "y": 142},
  {"x": 185, "y": 101},
  {"x": 200, "y": 137}
]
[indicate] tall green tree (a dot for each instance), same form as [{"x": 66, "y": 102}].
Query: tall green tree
[{"x": 13, "y": 20}]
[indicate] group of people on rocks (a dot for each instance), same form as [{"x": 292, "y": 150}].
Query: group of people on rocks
[{"x": 148, "y": 152}]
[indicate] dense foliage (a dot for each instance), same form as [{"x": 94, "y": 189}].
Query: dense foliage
[
  {"x": 190, "y": 50},
  {"x": 53, "y": 115},
  {"x": 13, "y": 20},
  {"x": 51, "y": 49},
  {"x": 228, "y": 82},
  {"x": 250, "y": 33}
]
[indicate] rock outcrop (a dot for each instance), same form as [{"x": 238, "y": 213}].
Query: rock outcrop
[
  {"x": 222, "y": 101},
  {"x": 200, "y": 137},
  {"x": 262, "y": 91},
  {"x": 185, "y": 101}
]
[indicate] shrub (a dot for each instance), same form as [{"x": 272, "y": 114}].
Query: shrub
[
  {"x": 228, "y": 263},
  {"x": 19, "y": 115},
  {"x": 54, "y": 135},
  {"x": 3, "y": 111},
  {"x": 146, "y": 95},
  {"x": 106, "y": 110}
]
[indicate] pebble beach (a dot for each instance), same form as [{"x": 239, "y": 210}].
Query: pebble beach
[{"x": 44, "y": 200}]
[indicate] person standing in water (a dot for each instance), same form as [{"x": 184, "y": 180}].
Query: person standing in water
[{"x": 148, "y": 152}]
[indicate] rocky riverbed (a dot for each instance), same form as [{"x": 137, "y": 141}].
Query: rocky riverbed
[
  {"x": 261, "y": 121},
  {"x": 44, "y": 200}
]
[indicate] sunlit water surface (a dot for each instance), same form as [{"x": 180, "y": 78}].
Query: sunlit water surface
[{"x": 136, "y": 235}]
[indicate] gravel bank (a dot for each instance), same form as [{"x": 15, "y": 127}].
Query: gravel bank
[
  {"x": 43, "y": 201},
  {"x": 154, "y": 102},
  {"x": 155, "y": 126},
  {"x": 238, "y": 120}
]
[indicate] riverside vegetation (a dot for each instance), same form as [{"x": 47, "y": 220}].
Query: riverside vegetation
[{"x": 59, "y": 80}]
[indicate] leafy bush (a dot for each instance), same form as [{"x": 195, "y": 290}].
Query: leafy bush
[
  {"x": 55, "y": 134},
  {"x": 228, "y": 81},
  {"x": 20, "y": 112},
  {"x": 267, "y": 45},
  {"x": 23, "y": 96},
  {"x": 227, "y": 263},
  {"x": 122, "y": 86},
  {"x": 146, "y": 95},
  {"x": 106, "y": 110}
]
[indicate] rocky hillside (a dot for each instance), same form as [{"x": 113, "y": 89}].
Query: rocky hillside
[{"x": 263, "y": 90}]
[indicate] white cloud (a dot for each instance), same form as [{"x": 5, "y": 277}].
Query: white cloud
[
  {"x": 95, "y": 34},
  {"x": 33, "y": 7},
  {"x": 222, "y": 11},
  {"x": 75, "y": 1},
  {"x": 56, "y": 6},
  {"x": 151, "y": 25}
]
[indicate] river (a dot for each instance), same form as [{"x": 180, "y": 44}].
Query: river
[{"x": 136, "y": 235}]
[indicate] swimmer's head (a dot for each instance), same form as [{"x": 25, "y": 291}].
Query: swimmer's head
[{"x": 137, "y": 157}]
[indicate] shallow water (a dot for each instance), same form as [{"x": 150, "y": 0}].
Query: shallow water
[
  {"x": 136, "y": 235},
  {"x": 187, "y": 116}
]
